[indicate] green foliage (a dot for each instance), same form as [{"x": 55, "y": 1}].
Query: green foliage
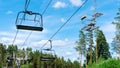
[
  {"x": 0, "y": 66},
  {"x": 76, "y": 64},
  {"x": 12, "y": 48},
  {"x": 116, "y": 39},
  {"x": 89, "y": 38},
  {"x": 90, "y": 52},
  {"x": 110, "y": 63},
  {"x": 2, "y": 54},
  {"x": 35, "y": 61},
  {"x": 81, "y": 43},
  {"x": 26, "y": 66},
  {"x": 93, "y": 65},
  {"x": 69, "y": 64},
  {"x": 102, "y": 45}
]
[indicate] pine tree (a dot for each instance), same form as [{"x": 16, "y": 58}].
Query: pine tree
[
  {"x": 76, "y": 64},
  {"x": 89, "y": 40},
  {"x": 102, "y": 45},
  {"x": 36, "y": 59},
  {"x": 2, "y": 54},
  {"x": 116, "y": 40},
  {"x": 81, "y": 46}
]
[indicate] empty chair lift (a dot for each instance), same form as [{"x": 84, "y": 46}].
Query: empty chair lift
[{"x": 37, "y": 21}]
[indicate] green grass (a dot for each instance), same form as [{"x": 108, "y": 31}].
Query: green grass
[
  {"x": 110, "y": 63},
  {"x": 26, "y": 66}
]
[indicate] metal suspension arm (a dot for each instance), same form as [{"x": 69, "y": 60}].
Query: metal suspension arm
[{"x": 27, "y": 4}]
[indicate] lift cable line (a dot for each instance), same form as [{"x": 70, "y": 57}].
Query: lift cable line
[
  {"x": 42, "y": 14},
  {"x": 16, "y": 32},
  {"x": 27, "y": 38},
  {"x": 15, "y": 37},
  {"x": 27, "y": 2},
  {"x": 25, "y": 8},
  {"x": 65, "y": 23},
  {"x": 47, "y": 7}
]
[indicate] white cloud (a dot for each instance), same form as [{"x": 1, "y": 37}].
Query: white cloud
[
  {"x": 12, "y": 33},
  {"x": 69, "y": 53},
  {"x": 74, "y": 59},
  {"x": 116, "y": 55},
  {"x": 62, "y": 42},
  {"x": 63, "y": 20},
  {"x": 109, "y": 31},
  {"x": 37, "y": 44},
  {"x": 18, "y": 42},
  {"x": 9, "y": 12},
  {"x": 8, "y": 41},
  {"x": 92, "y": 8},
  {"x": 6, "y": 34},
  {"x": 59, "y": 5},
  {"x": 108, "y": 27},
  {"x": 65, "y": 42},
  {"x": 7, "y": 37},
  {"x": 5, "y": 40},
  {"x": 76, "y": 2}
]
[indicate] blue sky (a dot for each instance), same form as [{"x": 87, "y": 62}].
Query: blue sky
[{"x": 56, "y": 15}]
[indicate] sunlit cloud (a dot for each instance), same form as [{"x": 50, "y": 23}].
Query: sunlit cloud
[
  {"x": 63, "y": 20},
  {"x": 69, "y": 53},
  {"x": 54, "y": 43},
  {"x": 92, "y": 8},
  {"x": 59, "y": 5},
  {"x": 109, "y": 31},
  {"x": 108, "y": 27},
  {"x": 76, "y": 2},
  {"x": 9, "y": 41},
  {"x": 8, "y": 37},
  {"x": 9, "y": 12}
]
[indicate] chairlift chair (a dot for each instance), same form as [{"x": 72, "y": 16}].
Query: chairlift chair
[
  {"x": 47, "y": 56},
  {"x": 20, "y": 25}
]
